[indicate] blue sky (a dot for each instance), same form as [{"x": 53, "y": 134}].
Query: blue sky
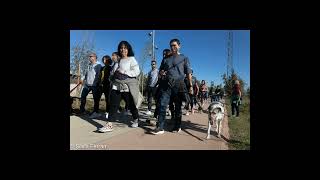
[{"x": 206, "y": 49}]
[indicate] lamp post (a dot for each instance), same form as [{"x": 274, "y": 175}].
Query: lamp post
[
  {"x": 153, "y": 45},
  {"x": 153, "y": 32}
]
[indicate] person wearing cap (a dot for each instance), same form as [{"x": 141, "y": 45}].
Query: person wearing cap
[{"x": 91, "y": 83}]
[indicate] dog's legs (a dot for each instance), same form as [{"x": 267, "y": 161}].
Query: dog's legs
[
  {"x": 217, "y": 126},
  {"x": 220, "y": 123},
  {"x": 209, "y": 127}
]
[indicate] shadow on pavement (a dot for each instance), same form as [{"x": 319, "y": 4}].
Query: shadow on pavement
[
  {"x": 200, "y": 128},
  {"x": 94, "y": 123},
  {"x": 119, "y": 118},
  {"x": 192, "y": 134},
  {"x": 194, "y": 126}
]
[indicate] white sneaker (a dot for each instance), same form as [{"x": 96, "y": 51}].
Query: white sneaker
[
  {"x": 107, "y": 115},
  {"x": 94, "y": 115},
  {"x": 106, "y": 128},
  {"x": 177, "y": 130},
  {"x": 135, "y": 123},
  {"x": 187, "y": 114},
  {"x": 169, "y": 113},
  {"x": 148, "y": 113},
  {"x": 157, "y": 131}
]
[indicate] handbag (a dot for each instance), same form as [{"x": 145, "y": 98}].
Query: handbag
[{"x": 120, "y": 76}]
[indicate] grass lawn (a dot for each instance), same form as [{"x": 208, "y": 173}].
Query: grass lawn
[{"x": 239, "y": 128}]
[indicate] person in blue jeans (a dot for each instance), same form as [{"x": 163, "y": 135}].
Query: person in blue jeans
[
  {"x": 174, "y": 69},
  {"x": 91, "y": 83},
  {"x": 165, "y": 53}
]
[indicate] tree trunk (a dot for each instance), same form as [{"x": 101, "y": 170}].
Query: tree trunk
[
  {"x": 142, "y": 84},
  {"x": 78, "y": 88}
]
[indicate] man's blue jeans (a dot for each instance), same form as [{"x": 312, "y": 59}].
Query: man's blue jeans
[
  {"x": 96, "y": 97},
  {"x": 165, "y": 94}
]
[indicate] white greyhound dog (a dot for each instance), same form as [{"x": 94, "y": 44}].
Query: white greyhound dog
[{"x": 215, "y": 114}]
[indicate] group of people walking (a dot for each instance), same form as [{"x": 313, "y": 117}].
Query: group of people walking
[{"x": 169, "y": 85}]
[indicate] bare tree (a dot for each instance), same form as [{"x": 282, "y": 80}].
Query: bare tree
[
  {"x": 79, "y": 55},
  {"x": 145, "y": 56}
]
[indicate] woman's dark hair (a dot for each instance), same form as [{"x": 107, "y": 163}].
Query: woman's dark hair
[
  {"x": 126, "y": 44},
  {"x": 167, "y": 53},
  {"x": 108, "y": 58},
  {"x": 166, "y": 50}
]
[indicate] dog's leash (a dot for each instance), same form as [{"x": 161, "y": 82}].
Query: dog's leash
[{"x": 74, "y": 87}]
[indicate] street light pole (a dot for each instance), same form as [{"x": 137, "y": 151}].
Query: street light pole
[{"x": 153, "y": 54}]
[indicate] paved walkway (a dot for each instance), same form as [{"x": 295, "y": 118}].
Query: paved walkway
[{"x": 84, "y": 134}]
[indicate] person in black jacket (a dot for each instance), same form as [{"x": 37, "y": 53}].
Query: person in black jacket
[{"x": 105, "y": 80}]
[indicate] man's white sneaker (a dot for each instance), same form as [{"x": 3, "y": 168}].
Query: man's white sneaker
[
  {"x": 157, "y": 131},
  {"x": 176, "y": 130}
]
